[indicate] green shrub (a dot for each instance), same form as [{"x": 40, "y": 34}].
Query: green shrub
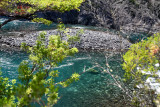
[
  {"x": 140, "y": 63},
  {"x": 144, "y": 55},
  {"x": 37, "y": 75}
]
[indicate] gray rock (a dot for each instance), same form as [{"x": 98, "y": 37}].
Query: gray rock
[
  {"x": 140, "y": 16},
  {"x": 89, "y": 40}
]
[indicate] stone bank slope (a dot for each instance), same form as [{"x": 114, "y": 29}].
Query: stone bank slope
[
  {"x": 127, "y": 15},
  {"x": 89, "y": 40}
]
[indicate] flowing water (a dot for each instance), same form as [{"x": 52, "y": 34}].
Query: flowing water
[
  {"x": 92, "y": 90},
  {"x": 26, "y": 25},
  {"x": 91, "y": 87}
]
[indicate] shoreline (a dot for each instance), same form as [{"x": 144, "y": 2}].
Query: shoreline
[{"x": 89, "y": 40}]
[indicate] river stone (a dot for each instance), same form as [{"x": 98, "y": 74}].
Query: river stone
[{"x": 89, "y": 40}]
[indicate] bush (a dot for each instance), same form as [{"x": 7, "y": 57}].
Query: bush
[
  {"x": 37, "y": 75},
  {"x": 141, "y": 62}
]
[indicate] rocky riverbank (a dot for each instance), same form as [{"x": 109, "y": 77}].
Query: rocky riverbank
[
  {"x": 89, "y": 40},
  {"x": 126, "y": 15}
]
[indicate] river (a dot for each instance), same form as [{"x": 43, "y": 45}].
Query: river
[{"x": 92, "y": 89}]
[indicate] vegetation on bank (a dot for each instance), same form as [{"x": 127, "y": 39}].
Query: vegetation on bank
[
  {"x": 141, "y": 65},
  {"x": 37, "y": 81},
  {"x": 19, "y": 9},
  {"x": 144, "y": 55}
]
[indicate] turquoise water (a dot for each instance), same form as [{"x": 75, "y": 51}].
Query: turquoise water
[
  {"x": 90, "y": 90},
  {"x": 25, "y": 25}
]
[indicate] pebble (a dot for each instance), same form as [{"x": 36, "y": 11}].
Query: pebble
[{"x": 89, "y": 40}]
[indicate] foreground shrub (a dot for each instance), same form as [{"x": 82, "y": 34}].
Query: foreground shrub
[
  {"x": 141, "y": 62},
  {"x": 36, "y": 80}
]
